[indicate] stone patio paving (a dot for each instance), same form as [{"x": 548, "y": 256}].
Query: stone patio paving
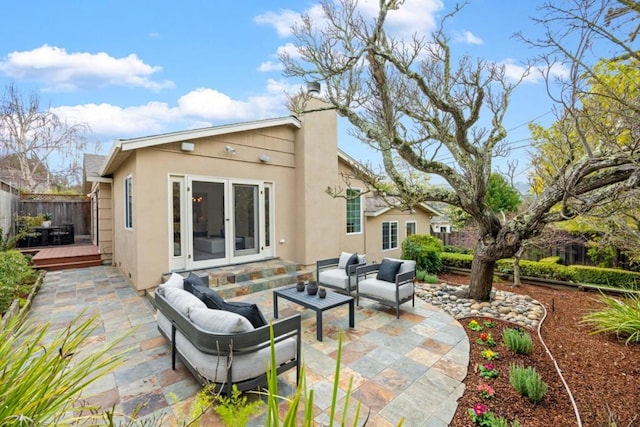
[{"x": 412, "y": 367}]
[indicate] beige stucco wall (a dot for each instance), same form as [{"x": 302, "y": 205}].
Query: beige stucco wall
[
  {"x": 374, "y": 231},
  {"x": 105, "y": 222},
  {"x": 143, "y": 253},
  {"x": 316, "y": 163},
  {"x": 125, "y": 241}
]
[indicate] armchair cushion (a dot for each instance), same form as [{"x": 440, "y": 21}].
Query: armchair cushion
[
  {"x": 388, "y": 270},
  {"x": 219, "y": 321},
  {"x": 344, "y": 258},
  {"x": 335, "y": 277},
  {"x": 407, "y": 265},
  {"x": 383, "y": 290}
]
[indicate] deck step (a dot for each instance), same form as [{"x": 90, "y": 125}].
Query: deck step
[{"x": 65, "y": 257}]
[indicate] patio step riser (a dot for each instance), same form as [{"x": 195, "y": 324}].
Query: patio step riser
[{"x": 251, "y": 286}]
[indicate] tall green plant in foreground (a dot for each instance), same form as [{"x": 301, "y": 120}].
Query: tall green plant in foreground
[
  {"x": 618, "y": 316},
  {"x": 43, "y": 376},
  {"x": 292, "y": 417}
]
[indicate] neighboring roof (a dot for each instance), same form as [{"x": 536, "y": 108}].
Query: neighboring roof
[
  {"x": 92, "y": 165},
  {"x": 122, "y": 147},
  {"x": 375, "y": 206}
]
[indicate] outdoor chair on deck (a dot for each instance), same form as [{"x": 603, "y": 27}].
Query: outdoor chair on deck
[{"x": 390, "y": 283}]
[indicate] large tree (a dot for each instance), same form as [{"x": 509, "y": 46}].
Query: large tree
[
  {"x": 414, "y": 98},
  {"x": 39, "y": 141}
]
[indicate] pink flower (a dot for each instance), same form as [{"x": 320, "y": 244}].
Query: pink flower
[
  {"x": 489, "y": 366},
  {"x": 480, "y": 409}
]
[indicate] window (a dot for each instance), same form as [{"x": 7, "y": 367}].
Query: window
[
  {"x": 354, "y": 211},
  {"x": 389, "y": 235},
  {"x": 128, "y": 203},
  {"x": 410, "y": 228}
]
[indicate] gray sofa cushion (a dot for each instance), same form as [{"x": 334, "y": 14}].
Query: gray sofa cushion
[
  {"x": 245, "y": 366},
  {"x": 388, "y": 270},
  {"x": 247, "y": 310},
  {"x": 174, "y": 281},
  {"x": 336, "y": 277},
  {"x": 219, "y": 321},
  {"x": 182, "y": 300},
  {"x": 383, "y": 289}
]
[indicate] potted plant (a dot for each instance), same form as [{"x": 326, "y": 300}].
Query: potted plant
[{"x": 46, "y": 219}]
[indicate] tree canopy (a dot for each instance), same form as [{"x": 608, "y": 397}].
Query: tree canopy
[{"x": 416, "y": 99}]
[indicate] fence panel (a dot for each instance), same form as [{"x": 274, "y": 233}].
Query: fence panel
[{"x": 65, "y": 209}]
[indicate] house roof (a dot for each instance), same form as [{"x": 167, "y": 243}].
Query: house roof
[
  {"x": 375, "y": 206},
  {"x": 92, "y": 164},
  {"x": 122, "y": 147}
]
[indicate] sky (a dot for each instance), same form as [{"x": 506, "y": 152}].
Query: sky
[{"x": 134, "y": 68}]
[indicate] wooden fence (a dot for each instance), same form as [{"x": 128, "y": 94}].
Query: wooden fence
[{"x": 64, "y": 209}]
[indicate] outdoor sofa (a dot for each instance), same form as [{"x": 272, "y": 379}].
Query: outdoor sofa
[
  {"x": 220, "y": 346},
  {"x": 339, "y": 273},
  {"x": 390, "y": 283}
]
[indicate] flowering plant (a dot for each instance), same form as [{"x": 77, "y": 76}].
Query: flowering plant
[
  {"x": 480, "y": 414},
  {"x": 488, "y": 370},
  {"x": 486, "y": 339},
  {"x": 486, "y": 391},
  {"x": 489, "y": 323},
  {"x": 474, "y": 325},
  {"x": 490, "y": 354}
]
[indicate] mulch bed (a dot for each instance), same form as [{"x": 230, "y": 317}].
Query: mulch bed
[{"x": 603, "y": 373}]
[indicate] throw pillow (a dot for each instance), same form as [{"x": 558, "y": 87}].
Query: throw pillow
[
  {"x": 388, "y": 270},
  {"x": 250, "y": 311},
  {"x": 193, "y": 280},
  {"x": 344, "y": 258},
  {"x": 210, "y": 297},
  {"x": 353, "y": 260},
  {"x": 175, "y": 281},
  {"x": 219, "y": 321},
  {"x": 181, "y": 300}
]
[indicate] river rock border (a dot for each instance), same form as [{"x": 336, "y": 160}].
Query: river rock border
[{"x": 519, "y": 309}]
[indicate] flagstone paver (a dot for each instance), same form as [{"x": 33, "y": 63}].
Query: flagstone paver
[{"x": 412, "y": 367}]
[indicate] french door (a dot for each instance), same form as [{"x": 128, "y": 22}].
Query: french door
[{"x": 219, "y": 221}]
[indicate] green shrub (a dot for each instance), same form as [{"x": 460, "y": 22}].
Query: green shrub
[
  {"x": 527, "y": 382},
  {"x": 425, "y": 250},
  {"x": 517, "y": 340},
  {"x": 619, "y": 316},
  {"x": 551, "y": 260},
  {"x": 16, "y": 277},
  {"x": 234, "y": 411},
  {"x": 456, "y": 260},
  {"x": 613, "y": 277},
  {"x": 457, "y": 249},
  {"x": 536, "y": 269}
]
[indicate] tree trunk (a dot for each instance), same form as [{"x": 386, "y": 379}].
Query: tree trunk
[
  {"x": 516, "y": 266},
  {"x": 481, "y": 277}
]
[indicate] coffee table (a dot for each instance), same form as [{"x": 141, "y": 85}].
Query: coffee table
[{"x": 315, "y": 303}]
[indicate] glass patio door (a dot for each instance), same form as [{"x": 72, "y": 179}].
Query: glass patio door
[{"x": 219, "y": 222}]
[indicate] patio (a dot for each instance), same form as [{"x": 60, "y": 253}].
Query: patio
[{"x": 411, "y": 367}]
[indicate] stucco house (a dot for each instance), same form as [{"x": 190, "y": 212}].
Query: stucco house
[{"x": 237, "y": 193}]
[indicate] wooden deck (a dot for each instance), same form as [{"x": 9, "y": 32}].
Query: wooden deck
[{"x": 65, "y": 257}]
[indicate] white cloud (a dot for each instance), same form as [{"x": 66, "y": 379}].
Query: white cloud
[
  {"x": 282, "y": 21},
  {"x": 274, "y": 65},
  {"x": 413, "y": 16},
  {"x": 533, "y": 75},
  {"x": 269, "y": 66},
  {"x": 63, "y": 71},
  {"x": 198, "y": 108},
  {"x": 467, "y": 37}
]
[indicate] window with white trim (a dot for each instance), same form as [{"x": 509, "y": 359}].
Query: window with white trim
[
  {"x": 389, "y": 235},
  {"x": 354, "y": 211},
  {"x": 128, "y": 202},
  {"x": 410, "y": 227}
]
